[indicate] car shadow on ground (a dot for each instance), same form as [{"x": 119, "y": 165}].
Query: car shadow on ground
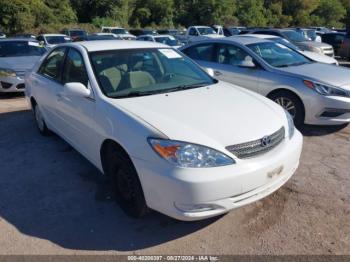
[
  {"x": 313, "y": 130},
  {"x": 49, "y": 191},
  {"x": 11, "y": 95}
]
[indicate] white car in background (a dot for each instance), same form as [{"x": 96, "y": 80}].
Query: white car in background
[
  {"x": 51, "y": 40},
  {"x": 169, "y": 136},
  {"x": 121, "y": 32},
  {"x": 311, "y": 55},
  {"x": 17, "y": 56},
  {"x": 163, "y": 39}
]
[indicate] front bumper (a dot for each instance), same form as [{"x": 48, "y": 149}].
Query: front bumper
[
  {"x": 194, "y": 194},
  {"x": 12, "y": 84},
  {"x": 327, "y": 110}
]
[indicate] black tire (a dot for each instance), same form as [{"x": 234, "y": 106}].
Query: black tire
[
  {"x": 40, "y": 122},
  {"x": 125, "y": 182},
  {"x": 291, "y": 103}
]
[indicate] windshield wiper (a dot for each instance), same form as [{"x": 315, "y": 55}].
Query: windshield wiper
[{"x": 160, "y": 91}]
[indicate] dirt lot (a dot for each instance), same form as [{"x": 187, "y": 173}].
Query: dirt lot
[{"x": 52, "y": 201}]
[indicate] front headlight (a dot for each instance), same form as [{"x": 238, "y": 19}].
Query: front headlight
[
  {"x": 316, "y": 50},
  {"x": 184, "y": 154},
  {"x": 326, "y": 90},
  {"x": 291, "y": 127},
  {"x": 7, "y": 72}
]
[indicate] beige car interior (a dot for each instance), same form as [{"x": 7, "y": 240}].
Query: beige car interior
[{"x": 118, "y": 77}]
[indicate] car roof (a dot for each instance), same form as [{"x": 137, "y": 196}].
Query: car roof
[
  {"x": 245, "y": 40},
  {"x": 54, "y": 35},
  {"x": 261, "y": 36},
  {"x": 22, "y": 39},
  {"x": 94, "y": 46}
]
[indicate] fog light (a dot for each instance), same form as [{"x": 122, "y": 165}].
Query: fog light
[{"x": 195, "y": 208}]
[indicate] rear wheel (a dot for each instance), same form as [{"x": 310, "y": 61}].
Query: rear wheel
[
  {"x": 291, "y": 103},
  {"x": 125, "y": 182},
  {"x": 40, "y": 122}
]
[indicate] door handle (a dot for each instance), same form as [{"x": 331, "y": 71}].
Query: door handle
[{"x": 217, "y": 73}]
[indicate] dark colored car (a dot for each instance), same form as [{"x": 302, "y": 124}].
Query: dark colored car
[
  {"x": 168, "y": 32},
  {"x": 340, "y": 43},
  {"x": 138, "y": 32},
  {"x": 75, "y": 34}
]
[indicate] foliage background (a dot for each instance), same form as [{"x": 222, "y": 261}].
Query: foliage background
[{"x": 35, "y": 16}]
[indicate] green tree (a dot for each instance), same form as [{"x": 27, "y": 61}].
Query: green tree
[
  {"x": 329, "y": 13},
  {"x": 252, "y": 13}
]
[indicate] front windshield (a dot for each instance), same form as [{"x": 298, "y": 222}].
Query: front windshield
[
  {"x": 119, "y": 31},
  {"x": 21, "y": 48},
  {"x": 206, "y": 30},
  {"x": 294, "y": 36},
  {"x": 139, "y": 72},
  {"x": 278, "y": 55},
  {"x": 57, "y": 39},
  {"x": 170, "y": 41}
]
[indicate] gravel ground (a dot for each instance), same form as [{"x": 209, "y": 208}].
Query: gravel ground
[{"x": 53, "y": 201}]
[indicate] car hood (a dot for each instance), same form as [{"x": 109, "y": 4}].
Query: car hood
[
  {"x": 328, "y": 74},
  {"x": 319, "y": 57},
  {"x": 22, "y": 63},
  {"x": 308, "y": 44},
  {"x": 215, "y": 116}
]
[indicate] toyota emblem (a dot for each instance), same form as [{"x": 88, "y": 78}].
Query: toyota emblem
[{"x": 265, "y": 141}]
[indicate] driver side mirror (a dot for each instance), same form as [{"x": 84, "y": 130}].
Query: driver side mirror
[
  {"x": 210, "y": 71},
  {"x": 76, "y": 89},
  {"x": 247, "y": 62}
]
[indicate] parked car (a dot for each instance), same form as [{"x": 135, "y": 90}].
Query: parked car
[
  {"x": 25, "y": 35},
  {"x": 17, "y": 56},
  {"x": 75, "y": 34},
  {"x": 338, "y": 41},
  {"x": 219, "y": 30},
  {"x": 2, "y": 35},
  {"x": 119, "y": 31},
  {"x": 172, "y": 32},
  {"x": 164, "y": 39},
  {"x": 51, "y": 40},
  {"x": 231, "y": 31},
  {"x": 103, "y": 36},
  {"x": 309, "y": 34},
  {"x": 125, "y": 108},
  {"x": 138, "y": 32},
  {"x": 298, "y": 40},
  {"x": 321, "y": 29},
  {"x": 313, "y": 93},
  {"x": 316, "y": 57}
]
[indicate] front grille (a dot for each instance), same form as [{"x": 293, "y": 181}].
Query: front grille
[
  {"x": 259, "y": 146},
  {"x": 5, "y": 85},
  {"x": 20, "y": 86}
]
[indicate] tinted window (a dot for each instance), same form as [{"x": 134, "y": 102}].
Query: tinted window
[
  {"x": 202, "y": 52},
  {"x": 57, "y": 39},
  {"x": 74, "y": 68},
  {"x": 52, "y": 65},
  {"x": 230, "y": 55},
  {"x": 192, "y": 31},
  {"x": 20, "y": 48}
]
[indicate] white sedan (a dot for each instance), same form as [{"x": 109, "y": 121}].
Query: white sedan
[{"x": 169, "y": 136}]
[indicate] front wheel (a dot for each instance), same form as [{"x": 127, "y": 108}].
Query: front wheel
[
  {"x": 126, "y": 183},
  {"x": 290, "y": 103}
]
